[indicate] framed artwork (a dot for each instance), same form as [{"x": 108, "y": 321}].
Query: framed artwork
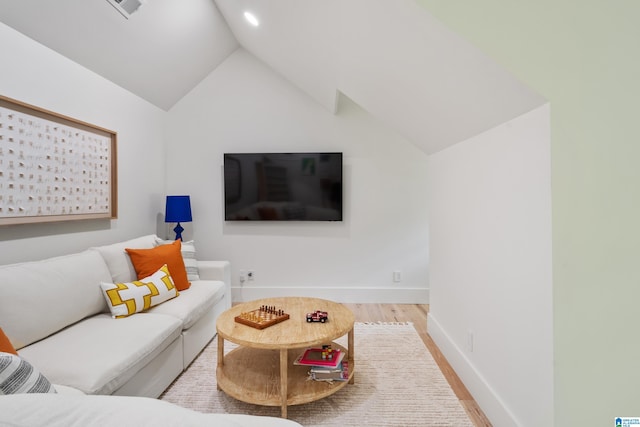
[{"x": 53, "y": 167}]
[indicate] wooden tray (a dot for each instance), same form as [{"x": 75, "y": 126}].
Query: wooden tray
[{"x": 262, "y": 317}]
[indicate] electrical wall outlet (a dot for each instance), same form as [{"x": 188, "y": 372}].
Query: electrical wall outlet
[
  {"x": 397, "y": 276},
  {"x": 243, "y": 276},
  {"x": 251, "y": 275}
]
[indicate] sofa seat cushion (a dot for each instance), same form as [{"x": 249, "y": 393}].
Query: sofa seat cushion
[
  {"x": 99, "y": 354},
  {"x": 192, "y": 303},
  {"x": 42, "y": 297}
]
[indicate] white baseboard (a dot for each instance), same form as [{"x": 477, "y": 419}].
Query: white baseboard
[
  {"x": 488, "y": 400},
  {"x": 342, "y": 295}
]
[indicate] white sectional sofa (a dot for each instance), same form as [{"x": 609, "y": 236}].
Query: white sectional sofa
[
  {"x": 55, "y": 315},
  {"x": 105, "y": 370}
]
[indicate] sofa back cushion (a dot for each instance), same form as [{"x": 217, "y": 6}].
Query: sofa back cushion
[
  {"x": 39, "y": 298},
  {"x": 118, "y": 260}
]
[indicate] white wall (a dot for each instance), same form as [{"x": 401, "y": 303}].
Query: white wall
[
  {"x": 490, "y": 267},
  {"x": 243, "y": 106},
  {"x": 39, "y": 76}
]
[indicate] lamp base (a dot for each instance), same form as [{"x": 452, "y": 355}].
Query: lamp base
[{"x": 178, "y": 230}]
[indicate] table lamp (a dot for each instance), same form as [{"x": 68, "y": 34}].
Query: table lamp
[{"x": 178, "y": 210}]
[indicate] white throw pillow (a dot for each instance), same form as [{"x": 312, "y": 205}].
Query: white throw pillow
[
  {"x": 188, "y": 250},
  {"x": 19, "y": 376},
  {"x": 125, "y": 299}
]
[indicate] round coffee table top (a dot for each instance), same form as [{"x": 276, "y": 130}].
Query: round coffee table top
[{"x": 294, "y": 332}]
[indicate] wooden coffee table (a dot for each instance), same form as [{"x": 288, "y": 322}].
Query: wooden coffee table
[{"x": 261, "y": 370}]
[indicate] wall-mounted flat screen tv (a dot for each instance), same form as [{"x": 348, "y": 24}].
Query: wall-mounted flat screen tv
[{"x": 283, "y": 186}]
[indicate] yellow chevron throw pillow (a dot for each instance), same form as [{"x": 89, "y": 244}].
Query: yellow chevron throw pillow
[{"x": 125, "y": 299}]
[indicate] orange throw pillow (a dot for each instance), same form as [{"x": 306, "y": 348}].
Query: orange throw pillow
[
  {"x": 5, "y": 344},
  {"x": 148, "y": 261}
]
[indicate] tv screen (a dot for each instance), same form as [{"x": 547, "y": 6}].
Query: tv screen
[{"x": 283, "y": 187}]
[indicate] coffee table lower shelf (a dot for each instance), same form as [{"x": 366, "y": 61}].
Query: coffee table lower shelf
[{"x": 252, "y": 375}]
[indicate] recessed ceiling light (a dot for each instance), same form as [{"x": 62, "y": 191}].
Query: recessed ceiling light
[{"x": 251, "y": 18}]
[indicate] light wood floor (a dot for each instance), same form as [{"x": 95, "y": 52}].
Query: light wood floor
[{"x": 417, "y": 314}]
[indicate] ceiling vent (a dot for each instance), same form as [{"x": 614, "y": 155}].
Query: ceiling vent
[{"x": 126, "y": 7}]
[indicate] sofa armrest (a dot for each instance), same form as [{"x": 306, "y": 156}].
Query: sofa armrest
[
  {"x": 218, "y": 270},
  {"x": 215, "y": 270}
]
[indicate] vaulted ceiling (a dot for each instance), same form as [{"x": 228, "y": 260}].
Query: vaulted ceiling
[{"x": 391, "y": 57}]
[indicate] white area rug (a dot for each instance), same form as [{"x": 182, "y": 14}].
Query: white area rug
[{"x": 397, "y": 383}]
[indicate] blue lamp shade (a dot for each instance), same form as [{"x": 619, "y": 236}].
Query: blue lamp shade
[{"x": 178, "y": 209}]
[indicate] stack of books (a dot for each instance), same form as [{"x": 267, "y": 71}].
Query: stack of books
[{"x": 325, "y": 364}]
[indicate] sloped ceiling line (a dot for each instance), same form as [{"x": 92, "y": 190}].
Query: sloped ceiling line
[
  {"x": 391, "y": 57},
  {"x": 160, "y": 53}
]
